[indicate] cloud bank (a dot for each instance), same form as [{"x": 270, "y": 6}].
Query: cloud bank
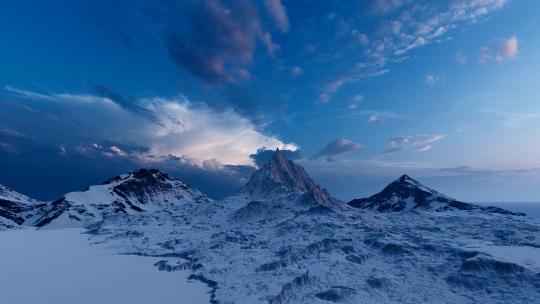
[{"x": 177, "y": 127}]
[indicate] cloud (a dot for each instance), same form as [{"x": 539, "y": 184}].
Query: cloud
[
  {"x": 416, "y": 25},
  {"x": 296, "y": 71},
  {"x": 99, "y": 164},
  {"x": 118, "y": 151},
  {"x": 507, "y": 49},
  {"x": 378, "y": 117},
  {"x": 263, "y": 155},
  {"x": 499, "y": 50},
  {"x": 386, "y": 6},
  {"x": 355, "y": 101},
  {"x": 519, "y": 119},
  {"x": 337, "y": 147},
  {"x": 330, "y": 89},
  {"x": 182, "y": 128},
  {"x": 421, "y": 143},
  {"x": 514, "y": 119},
  {"x": 210, "y": 38},
  {"x": 279, "y": 13},
  {"x": 431, "y": 79},
  {"x": 461, "y": 58},
  {"x": 13, "y": 134},
  {"x": 60, "y": 97},
  {"x": 127, "y": 103}
]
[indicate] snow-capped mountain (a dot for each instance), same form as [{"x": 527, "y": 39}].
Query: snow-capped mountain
[
  {"x": 406, "y": 193},
  {"x": 283, "y": 239},
  {"x": 16, "y": 208},
  {"x": 138, "y": 191}
]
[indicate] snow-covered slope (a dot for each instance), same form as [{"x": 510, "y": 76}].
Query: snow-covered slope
[
  {"x": 276, "y": 242},
  {"x": 17, "y": 209},
  {"x": 284, "y": 239},
  {"x": 144, "y": 190},
  {"x": 406, "y": 193}
]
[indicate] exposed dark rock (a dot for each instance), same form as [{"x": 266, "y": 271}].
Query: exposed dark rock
[
  {"x": 395, "y": 249},
  {"x": 479, "y": 264},
  {"x": 376, "y": 282},
  {"x": 358, "y": 259},
  {"x": 336, "y": 294}
]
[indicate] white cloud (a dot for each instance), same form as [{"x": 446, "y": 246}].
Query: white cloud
[
  {"x": 182, "y": 129},
  {"x": 118, "y": 151},
  {"x": 431, "y": 79},
  {"x": 508, "y": 49},
  {"x": 499, "y": 50}
]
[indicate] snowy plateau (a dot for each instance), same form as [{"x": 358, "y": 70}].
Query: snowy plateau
[{"x": 280, "y": 239}]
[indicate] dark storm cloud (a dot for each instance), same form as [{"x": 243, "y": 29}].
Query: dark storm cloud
[
  {"x": 124, "y": 102},
  {"x": 214, "y": 40},
  {"x": 337, "y": 147},
  {"x": 263, "y": 155}
]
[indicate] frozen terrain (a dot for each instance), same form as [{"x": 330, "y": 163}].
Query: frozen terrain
[
  {"x": 284, "y": 239},
  {"x": 59, "y": 266}
]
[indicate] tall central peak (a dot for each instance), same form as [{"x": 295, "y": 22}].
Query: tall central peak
[{"x": 280, "y": 174}]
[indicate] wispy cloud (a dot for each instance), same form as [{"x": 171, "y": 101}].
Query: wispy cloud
[
  {"x": 421, "y": 143},
  {"x": 378, "y": 117},
  {"x": 355, "y": 101},
  {"x": 416, "y": 25},
  {"x": 514, "y": 119},
  {"x": 386, "y": 6},
  {"x": 461, "y": 58}
]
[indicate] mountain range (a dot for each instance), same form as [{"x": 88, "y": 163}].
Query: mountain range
[{"x": 284, "y": 239}]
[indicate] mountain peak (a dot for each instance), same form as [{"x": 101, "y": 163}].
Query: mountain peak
[
  {"x": 281, "y": 175},
  {"x": 405, "y": 193},
  {"x": 142, "y": 190},
  {"x": 280, "y": 172}
]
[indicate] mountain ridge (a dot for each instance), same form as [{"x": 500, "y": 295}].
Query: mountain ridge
[{"x": 135, "y": 191}]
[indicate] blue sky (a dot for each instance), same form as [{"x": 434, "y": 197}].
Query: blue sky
[{"x": 359, "y": 92}]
